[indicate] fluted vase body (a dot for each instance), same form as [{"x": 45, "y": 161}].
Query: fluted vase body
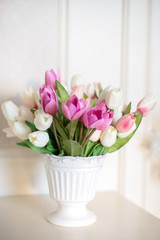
[{"x": 72, "y": 184}]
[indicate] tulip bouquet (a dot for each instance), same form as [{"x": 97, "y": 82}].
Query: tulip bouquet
[{"x": 89, "y": 121}]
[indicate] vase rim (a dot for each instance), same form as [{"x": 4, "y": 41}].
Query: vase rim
[{"x": 77, "y": 157}]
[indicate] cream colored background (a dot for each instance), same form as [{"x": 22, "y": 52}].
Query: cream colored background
[{"x": 115, "y": 42}]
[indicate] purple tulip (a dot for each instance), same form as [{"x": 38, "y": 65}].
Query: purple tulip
[
  {"x": 99, "y": 117},
  {"x": 51, "y": 77},
  {"x": 49, "y": 100},
  {"x": 75, "y": 108}
]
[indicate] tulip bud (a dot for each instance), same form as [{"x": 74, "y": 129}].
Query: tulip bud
[
  {"x": 114, "y": 98},
  {"x": 78, "y": 91},
  {"x": 29, "y": 97},
  {"x": 43, "y": 121},
  {"x": 96, "y": 88},
  {"x": 37, "y": 99},
  {"x": 117, "y": 115},
  {"x": 126, "y": 134},
  {"x": 75, "y": 108},
  {"x": 116, "y": 118},
  {"x": 49, "y": 100},
  {"x": 90, "y": 90},
  {"x": 39, "y": 139},
  {"x": 21, "y": 130},
  {"x": 76, "y": 80},
  {"x": 25, "y": 115},
  {"x": 108, "y": 136},
  {"x": 146, "y": 104},
  {"x": 95, "y": 136},
  {"x": 51, "y": 77},
  {"x": 10, "y": 110},
  {"x": 104, "y": 93},
  {"x": 125, "y": 123}
]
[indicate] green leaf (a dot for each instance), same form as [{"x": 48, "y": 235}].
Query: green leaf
[
  {"x": 92, "y": 104},
  {"x": 37, "y": 149},
  {"x": 51, "y": 148},
  {"x": 31, "y": 125},
  {"x": 62, "y": 93},
  {"x": 88, "y": 148},
  {"x": 72, "y": 148},
  {"x": 95, "y": 94},
  {"x": 85, "y": 96},
  {"x": 93, "y": 149},
  {"x": 23, "y": 144},
  {"x": 60, "y": 128},
  {"x": 32, "y": 110},
  {"x": 128, "y": 109},
  {"x": 97, "y": 150},
  {"x": 59, "y": 99},
  {"x": 120, "y": 142},
  {"x": 61, "y": 154},
  {"x": 100, "y": 88}
]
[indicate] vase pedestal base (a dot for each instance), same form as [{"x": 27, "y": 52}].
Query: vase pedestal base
[{"x": 72, "y": 215}]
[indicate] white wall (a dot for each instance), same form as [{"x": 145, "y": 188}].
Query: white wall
[{"x": 115, "y": 42}]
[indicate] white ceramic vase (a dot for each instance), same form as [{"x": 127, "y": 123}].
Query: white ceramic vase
[{"x": 72, "y": 184}]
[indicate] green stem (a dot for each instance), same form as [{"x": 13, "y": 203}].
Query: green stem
[
  {"x": 81, "y": 131},
  {"x": 85, "y": 136},
  {"x": 58, "y": 115},
  {"x": 55, "y": 133},
  {"x": 88, "y": 137},
  {"x": 102, "y": 150},
  {"x": 70, "y": 130}
]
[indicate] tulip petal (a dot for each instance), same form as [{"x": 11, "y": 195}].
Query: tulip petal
[
  {"x": 78, "y": 114},
  {"x": 51, "y": 107},
  {"x": 66, "y": 111},
  {"x": 97, "y": 124}
]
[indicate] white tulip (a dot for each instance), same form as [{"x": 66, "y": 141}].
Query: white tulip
[
  {"x": 116, "y": 117},
  {"x": 43, "y": 121},
  {"x": 126, "y": 134},
  {"x": 29, "y": 97},
  {"x": 108, "y": 136},
  {"x": 10, "y": 110},
  {"x": 114, "y": 98},
  {"x": 39, "y": 139},
  {"x": 95, "y": 136},
  {"x": 90, "y": 90},
  {"x": 117, "y": 114},
  {"x": 104, "y": 93},
  {"x": 77, "y": 80},
  {"x": 37, "y": 99},
  {"x": 25, "y": 115},
  {"x": 21, "y": 130},
  {"x": 38, "y": 111}
]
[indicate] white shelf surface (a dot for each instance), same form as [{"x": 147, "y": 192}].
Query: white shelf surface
[{"x": 24, "y": 218}]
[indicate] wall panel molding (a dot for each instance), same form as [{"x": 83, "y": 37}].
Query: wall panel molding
[
  {"x": 123, "y": 84},
  {"x": 63, "y": 39}
]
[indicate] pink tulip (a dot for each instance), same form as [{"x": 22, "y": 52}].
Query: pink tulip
[
  {"x": 48, "y": 100},
  {"x": 98, "y": 117},
  {"x": 101, "y": 106},
  {"x": 78, "y": 91},
  {"x": 146, "y": 104},
  {"x": 51, "y": 77},
  {"x": 125, "y": 123},
  {"x": 74, "y": 108}
]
